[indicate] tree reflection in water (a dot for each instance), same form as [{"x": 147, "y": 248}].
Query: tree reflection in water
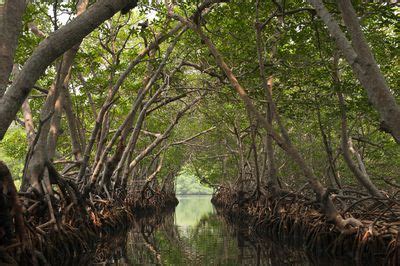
[{"x": 196, "y": 235}]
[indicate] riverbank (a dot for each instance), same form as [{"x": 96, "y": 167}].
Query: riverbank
[
  {"x": 64, "y": 242},
  {"x": 296, "y": 220}
]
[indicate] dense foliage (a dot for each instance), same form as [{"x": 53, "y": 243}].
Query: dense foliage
[{"x": 303, "y": 87}]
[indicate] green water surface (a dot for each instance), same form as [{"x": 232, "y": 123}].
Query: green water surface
[{"x": 196, "y": 235}]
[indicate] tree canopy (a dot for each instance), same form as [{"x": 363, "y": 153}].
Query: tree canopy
[{"x": 263, "y": 96}]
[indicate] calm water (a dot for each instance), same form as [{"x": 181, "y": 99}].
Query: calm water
[{"x": 196, "y": 235}]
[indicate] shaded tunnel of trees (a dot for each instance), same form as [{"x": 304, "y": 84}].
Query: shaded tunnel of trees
[{"x": 287, "y": 109}]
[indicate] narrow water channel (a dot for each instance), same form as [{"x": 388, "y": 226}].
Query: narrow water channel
[{"x": 196, "y": 235}]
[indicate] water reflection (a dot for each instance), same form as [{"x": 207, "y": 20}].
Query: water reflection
[
  {"x": 191, "y": 209},
  {"x": 196, "y": 235}
]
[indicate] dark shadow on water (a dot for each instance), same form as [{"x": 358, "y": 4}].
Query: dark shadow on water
[{"x": 196, "y": 235}]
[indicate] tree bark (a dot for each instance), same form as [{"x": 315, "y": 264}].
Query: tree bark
[
  {"x": 332, "y": 173},
  {"x": 39, "y": 155},
  {"x": 27, "y": 114},
  {"x": 10, "y": 27},
  {"x": 363, "y": 63},
  {"x": 347, "y": 147},
  {"x": 63, "y": 98},
  {"x": 10, "y": 207},
  {"x": 254, "y": 148},
  {"x": 76, "y": 140},
  {"x": 271, "y": 109},
  {"x": 28, "y": 120},
  {"x": 49, "y": 50}
]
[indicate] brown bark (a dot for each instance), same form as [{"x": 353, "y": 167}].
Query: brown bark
[
  {"x": 76, "y": 142},
  {"x": 332, "y": 173},
  {"x": 254, "y": 148},
  {"x": 10, "y": 27},
  {"x": 110, "y": 166},
  {"x": 28, "y": 120},
  {"x": 63, "y": 101},
  {"x": 267, "y": 84},
  {"x": 347, "y": 148},
  {"x": 102, "y": 136},
  {"x": 272, "y": 173},
  {"x": 27, "y": 114},
  {"x": 363, "y": 63},
  {"x": 39, "y": 156},
  {"x": 50, "y": 49},
  {"x": 241, "y": 161},
  {"x": 54, "y": 127},
  {"x": 36, "y": 30}
]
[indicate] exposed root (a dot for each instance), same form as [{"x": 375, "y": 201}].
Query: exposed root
[
  {"x": 366, "y": 236},
  {"x": 61, "y": 224},
  {"x": 150, "y": 200}
]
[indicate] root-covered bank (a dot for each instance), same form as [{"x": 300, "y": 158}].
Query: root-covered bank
[
  {"x": 294, "y": 218},
  {"x": 76, "y": 229}
]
